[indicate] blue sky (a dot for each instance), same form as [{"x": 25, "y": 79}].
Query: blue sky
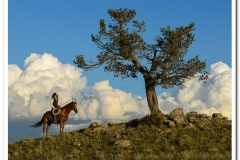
[{"x": 63, "y": 28}]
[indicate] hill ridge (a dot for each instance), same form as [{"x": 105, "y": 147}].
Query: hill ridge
[{"x": 189, "y": 136}]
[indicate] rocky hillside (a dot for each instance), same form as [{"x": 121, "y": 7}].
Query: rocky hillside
[{"x": 189, "y": 136}]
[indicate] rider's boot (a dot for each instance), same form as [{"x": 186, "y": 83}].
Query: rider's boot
[{"x": 55, "y": 119}]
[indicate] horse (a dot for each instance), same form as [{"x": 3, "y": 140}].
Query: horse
[{"x": 47, "y": 118}]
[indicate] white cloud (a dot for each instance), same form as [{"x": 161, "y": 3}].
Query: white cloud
[
  {"x": 107, "y": 103},
  {"x": 214, "y": 96},
  {"x": 14, "y": 73},
  {"x": 30, "y": 90}
]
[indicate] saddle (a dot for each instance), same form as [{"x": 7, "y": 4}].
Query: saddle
[{"x": 55, "y": 114}]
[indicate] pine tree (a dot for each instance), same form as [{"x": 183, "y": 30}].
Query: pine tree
[{"x": 127, "y": 55}]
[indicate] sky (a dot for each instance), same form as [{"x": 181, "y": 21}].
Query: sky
[{"x": 45, "y": 36}]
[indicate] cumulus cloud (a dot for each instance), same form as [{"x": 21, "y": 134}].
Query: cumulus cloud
[
  {"x": 30, "y": 90},
  {"x": 107, "y": 103},
  {"x": 214, "y": 96}
]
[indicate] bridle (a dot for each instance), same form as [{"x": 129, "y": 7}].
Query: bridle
[{"x": 73, "y": 109}]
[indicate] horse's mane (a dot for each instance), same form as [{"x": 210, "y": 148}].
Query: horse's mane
[{"x": 67, "y": 104}]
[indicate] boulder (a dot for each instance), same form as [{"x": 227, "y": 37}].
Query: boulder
[
  {"x": 94, "y": 124},
  {"x": 178, "y": 112},
  {"x": 98, "y": 129},
  {"x": 189, "y": 125},
  {"x": 217, "y": 115},
  {"x": 225, "y": 118},
  {"x": 192, "y": 119},
  {"x": 179, "y": 120},
  {"x": 205, "y": 117},
  {"x": 177, "y": 116}
]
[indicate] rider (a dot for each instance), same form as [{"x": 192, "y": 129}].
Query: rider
[{"x": 54, "y": 104}]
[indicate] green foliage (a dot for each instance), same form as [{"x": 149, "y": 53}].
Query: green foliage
[{"x": 122, "y": 50}]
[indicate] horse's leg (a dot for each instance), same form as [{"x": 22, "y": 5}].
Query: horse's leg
[
  {"x": 63, "y": 126},
  {"x": 60, "y": 122},
  {"x": 48, "y": 127},
  {"x": 45, "y": 120},
  {"x": 44, "y": 128}
]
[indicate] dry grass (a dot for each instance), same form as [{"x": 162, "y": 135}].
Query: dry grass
[{"x": 148, "y": 140}]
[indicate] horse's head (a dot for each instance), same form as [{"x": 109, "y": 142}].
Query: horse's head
[{"x": 74, "y": 107}]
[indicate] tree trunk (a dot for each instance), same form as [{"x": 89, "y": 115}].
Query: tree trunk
[
  {"x": 151, "y": 95},
  {"x": 152, "y": 98}
]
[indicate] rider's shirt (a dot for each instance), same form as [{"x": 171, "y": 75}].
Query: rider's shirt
[{"x": 54, "y": 103}]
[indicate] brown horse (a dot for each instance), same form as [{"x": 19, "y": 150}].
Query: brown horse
[{"x": 63, "y": 117}]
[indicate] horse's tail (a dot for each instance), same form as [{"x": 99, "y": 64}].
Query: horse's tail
[{"x": 37, "y": 124}]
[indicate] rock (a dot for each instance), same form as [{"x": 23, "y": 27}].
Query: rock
[
  {"x": 179, "y": 120},
  {"x": 123, "y": 143},
  {"x": 225, "y": 118},
  {"x": 192, "y": 114},
  {"x": 192, "y": 119},
  {"x": 76, "y": 144},
  {"x": 94, "y": 124},
  {"x": 98, "y": 129},
  {"x": 177, "y": 116},
  {"x": 217, "y": 115},
  {"x": 104, "y": 126},
  {"x": 178, "y": 112},
  {"x": 189, "y": 125}
]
